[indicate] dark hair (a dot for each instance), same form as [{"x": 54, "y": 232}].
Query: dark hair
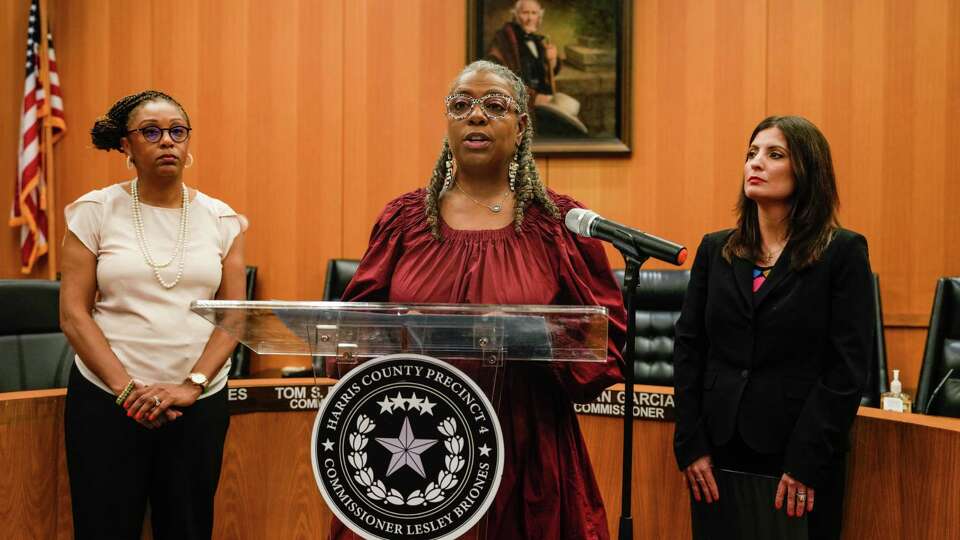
[
  {"x": 529, "y": 188},
  {"x": 109, "y": 129},
  {"x": 813, "y": 205}
]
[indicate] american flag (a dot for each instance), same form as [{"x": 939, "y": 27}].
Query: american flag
[{"x": 30, "y": 200}]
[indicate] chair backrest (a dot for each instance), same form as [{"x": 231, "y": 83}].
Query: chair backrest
[
  {"x": 339, "y": 274},
  {"x": 942, "y": 353},
  {"x": 34, "y": 353},
  {"x": 877, "y": 376},
  {"x": 240, "y": 359},
  {"x": 658, "y": 299}
]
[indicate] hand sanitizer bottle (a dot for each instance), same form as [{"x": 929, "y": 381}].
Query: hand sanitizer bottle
[{"x": 896, "y": 400}]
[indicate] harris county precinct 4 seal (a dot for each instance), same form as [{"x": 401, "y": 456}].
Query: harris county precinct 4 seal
[{"x": 407, "y": 445}]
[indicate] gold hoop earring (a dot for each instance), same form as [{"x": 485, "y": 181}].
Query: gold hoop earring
[
  {"x": 129, "y": 162},
  {"x": 189, "y": 162}
]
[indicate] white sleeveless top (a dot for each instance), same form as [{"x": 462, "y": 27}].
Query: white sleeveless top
[{"x": 151, "y": 329}]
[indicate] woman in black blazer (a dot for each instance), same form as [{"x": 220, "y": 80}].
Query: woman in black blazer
[{"x": 772, "y": 345}]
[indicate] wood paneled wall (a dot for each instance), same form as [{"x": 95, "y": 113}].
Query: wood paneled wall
[{"x": 311, "y": 114}]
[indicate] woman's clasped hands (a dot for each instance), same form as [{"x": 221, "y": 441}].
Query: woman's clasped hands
[{"x": 155, "y": 405}]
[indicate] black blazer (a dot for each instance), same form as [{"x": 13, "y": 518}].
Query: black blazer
[{"x": 785, "y": 366}]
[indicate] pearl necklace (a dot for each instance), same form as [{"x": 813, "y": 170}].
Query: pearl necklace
[
  {"x": 181, "y": 236},
  {"x": 495, "y": 208}
]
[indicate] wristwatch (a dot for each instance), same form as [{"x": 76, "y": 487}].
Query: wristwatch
[{"x": 198, "y": 379}]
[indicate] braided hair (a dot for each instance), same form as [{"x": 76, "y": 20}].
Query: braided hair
[
  {"x": 109, "y": 129},
  {"x": 528, "y": 186}
]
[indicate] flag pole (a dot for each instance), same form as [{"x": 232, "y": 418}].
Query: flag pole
[{"x": 47, "y": 144}]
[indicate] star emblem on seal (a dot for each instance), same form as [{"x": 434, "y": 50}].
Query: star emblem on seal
[{"x": 406, "y": 450}]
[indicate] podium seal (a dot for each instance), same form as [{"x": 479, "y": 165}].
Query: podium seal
[{"x": 407, "y": 445}]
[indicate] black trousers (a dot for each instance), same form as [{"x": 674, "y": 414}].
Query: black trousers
[
  {"x": 747, "y": 481},
  {"x": 116, "y": 466}
]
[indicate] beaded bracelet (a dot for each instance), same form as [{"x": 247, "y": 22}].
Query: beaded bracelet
[{"x": 126, "y": 392}]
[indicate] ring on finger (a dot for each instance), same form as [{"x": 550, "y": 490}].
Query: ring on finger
[{"x": 156, "y": 401}]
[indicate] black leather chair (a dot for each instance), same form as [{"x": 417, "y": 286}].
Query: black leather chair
[
  {"x": 339, "y": 274},
  {"x": 942, "y": 353},
  {"x": 34, "y": 353},
  {"x": 240, "y": 359},
  {"x": 877, "y": 376},
  {"x": 658, "y": 300}
]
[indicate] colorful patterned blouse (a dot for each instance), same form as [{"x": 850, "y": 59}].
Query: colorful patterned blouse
[{"x": 760, "y": 274}]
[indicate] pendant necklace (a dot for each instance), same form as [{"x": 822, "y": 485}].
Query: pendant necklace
[{"x": 495, "y": 208}]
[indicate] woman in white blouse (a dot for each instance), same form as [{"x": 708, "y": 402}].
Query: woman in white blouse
[{"x": 146, "y": 411}]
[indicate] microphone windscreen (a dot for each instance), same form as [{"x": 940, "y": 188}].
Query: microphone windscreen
[{"x": 578, "y": 221}]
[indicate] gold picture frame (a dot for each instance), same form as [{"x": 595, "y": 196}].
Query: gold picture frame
[{"x": 585, "y": 104}]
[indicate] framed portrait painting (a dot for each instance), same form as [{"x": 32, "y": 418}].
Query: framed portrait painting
[{"x": 574, "y": 59}]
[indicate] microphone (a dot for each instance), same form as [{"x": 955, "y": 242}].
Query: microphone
[
  {"x": 933, "y": 395},
  {"x": 637, "y": 244}
]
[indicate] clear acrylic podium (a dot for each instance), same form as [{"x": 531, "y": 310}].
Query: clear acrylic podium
[{"x": 413, "y": 458}]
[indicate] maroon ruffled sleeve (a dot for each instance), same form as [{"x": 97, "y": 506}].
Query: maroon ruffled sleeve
[
  {"x": 588, "y": 280},
  {"x": 371, "y": 282}
]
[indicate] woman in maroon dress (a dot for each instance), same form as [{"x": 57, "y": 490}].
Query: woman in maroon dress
[{"x": 487, "y": 231}]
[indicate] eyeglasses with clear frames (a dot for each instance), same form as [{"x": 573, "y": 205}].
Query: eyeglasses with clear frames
[
  {"x": 459, "y": 106},
  {"x": 153, "y": 134}
]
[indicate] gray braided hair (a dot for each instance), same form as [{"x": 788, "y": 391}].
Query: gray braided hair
[{"x": 528, "y": 187}]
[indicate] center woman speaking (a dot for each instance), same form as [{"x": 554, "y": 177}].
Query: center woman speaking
[{"x": 487, "y": 231}]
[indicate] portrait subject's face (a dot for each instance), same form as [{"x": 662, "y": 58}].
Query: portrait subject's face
[
  {"x": 528, "y": 15},
  {"x": 768, "y": 169}
]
